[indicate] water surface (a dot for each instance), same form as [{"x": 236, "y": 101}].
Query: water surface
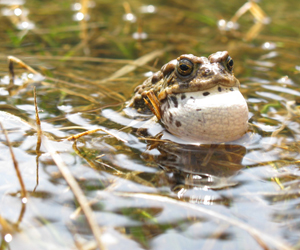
[{"x": 145, "y": 193}]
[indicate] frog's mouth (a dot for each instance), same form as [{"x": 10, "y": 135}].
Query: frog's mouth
[{"x": 203, "y": 96}]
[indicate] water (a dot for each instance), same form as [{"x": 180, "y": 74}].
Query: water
[{"x": 145, "y": 193}]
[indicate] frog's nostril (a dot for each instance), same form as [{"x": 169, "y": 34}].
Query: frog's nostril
[{"x": 206, "y": 72}]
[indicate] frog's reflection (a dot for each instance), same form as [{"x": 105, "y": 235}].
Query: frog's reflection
[{"x": 205, "y": 166}]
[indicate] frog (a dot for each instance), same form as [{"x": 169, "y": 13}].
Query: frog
[{"x": 195, "y": 98}]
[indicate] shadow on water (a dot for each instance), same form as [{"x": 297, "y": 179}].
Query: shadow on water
[{"x": 204, "y": 166}]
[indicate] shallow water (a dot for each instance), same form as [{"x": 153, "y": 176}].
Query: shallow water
[{"x": 146, "y": 193}]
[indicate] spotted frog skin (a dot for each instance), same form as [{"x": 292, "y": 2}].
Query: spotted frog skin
[{"x": 198, "y": 98}]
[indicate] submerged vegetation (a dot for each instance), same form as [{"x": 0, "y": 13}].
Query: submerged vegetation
[{"x": 76, "y": 173}]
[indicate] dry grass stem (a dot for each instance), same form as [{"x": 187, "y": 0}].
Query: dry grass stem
[
  {"x": 254, "y": 31},
  {"x": 127, "y": 8},
  {"x": 137, "y": 63},
  {"x": 109, "y": 167},
  {"x": 12, "y": 59},
  {"x": 277, "y": 180},
  {"x": 133, "y": 176},
  {"x": 66, "y": 29},
  {"x": 85, "y": 59},
  {"x": 208, "y": 156},
  {"x": 74, "y": 85},
  {"x": 78, "y": 210},
  {"x": 83, "y": 26},
  {"x": 253, "y": 8},
  {"x": 76, "y": 93},
  {"x": 37, "y": 173},
  {"x": 22, "y": 212},
  {"x": 105, "y": 91},
  {"x": 16, "y": 165},
  {"x": 257, "y": 13},
  {"x": 38, "y": 124},
  {"x": 261, "y": 243},
  {"x": 77, "y": 151},
  {"x": 291, "y": 112},
  {"x": 154, "y": 104},
  {"x": 77, "y": 136},
  {"x": 6, "y": 227},
  {"x": 153, "y": 139},
  {"x": 82, "y": 200},
  {"x": 39, "y": 138}
]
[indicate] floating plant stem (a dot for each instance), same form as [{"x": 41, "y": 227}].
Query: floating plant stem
[
  {"x": 77, "y": 136},
  {"x": 82, "y": 200}
]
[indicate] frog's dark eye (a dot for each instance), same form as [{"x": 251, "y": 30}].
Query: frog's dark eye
[
  {"x": 185, "y": 67},
  {"x": 229, "y": 63}
]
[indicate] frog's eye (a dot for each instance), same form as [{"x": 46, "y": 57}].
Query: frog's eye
[
  {"x": 229, "y": 63},
  {"x": 185, "y": 67}
]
